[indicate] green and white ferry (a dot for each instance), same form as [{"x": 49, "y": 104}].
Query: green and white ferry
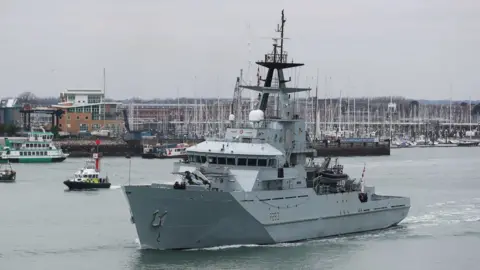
[{"x": 38, "y": 147}]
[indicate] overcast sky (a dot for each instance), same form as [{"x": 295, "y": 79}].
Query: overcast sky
[{"x": 158, "y": 48}]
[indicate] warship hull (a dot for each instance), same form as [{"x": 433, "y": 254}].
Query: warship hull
[{"x": 166, "y": 218}]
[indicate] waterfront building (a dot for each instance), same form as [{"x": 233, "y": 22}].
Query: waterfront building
[{"x": 86, "y": 110}]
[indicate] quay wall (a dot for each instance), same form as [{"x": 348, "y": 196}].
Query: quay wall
[
  {"x": 115, "y": 148},
  {"x": 111, "y": 149},
  {"x": 107, "y": 148},
  {"x": 351, "y": 149}
]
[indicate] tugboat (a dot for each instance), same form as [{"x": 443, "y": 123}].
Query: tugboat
[
  {"x": 7, "y": 174},
  {"x": 88, "y": 177}
]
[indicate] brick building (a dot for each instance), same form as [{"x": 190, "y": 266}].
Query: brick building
[{"x": 86, "y": 111}]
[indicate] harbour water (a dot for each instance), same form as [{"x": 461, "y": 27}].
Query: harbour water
[{"x": 42, "y": 226}]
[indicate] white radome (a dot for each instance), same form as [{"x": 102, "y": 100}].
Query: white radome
[
  {"x": 256, "y": 116},
  {"x": 231, "y": 117}
]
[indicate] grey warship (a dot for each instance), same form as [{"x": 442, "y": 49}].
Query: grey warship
[{"x": 258, "y": 184}]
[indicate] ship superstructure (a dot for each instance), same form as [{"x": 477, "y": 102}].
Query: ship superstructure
[{"x": 255, "y": 186}]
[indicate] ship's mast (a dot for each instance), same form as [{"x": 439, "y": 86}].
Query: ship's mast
[
  {"x": 281, "y": 30},
  {"x": 292, "y": 131},
  {"x": 276, "y": 61}
]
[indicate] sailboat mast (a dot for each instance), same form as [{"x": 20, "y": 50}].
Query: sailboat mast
[
  {"x": 391, "y": 116},
  {"x": 104, "y": 89},
  {"x": 354, "y": 120},
  {"x": 325, "y": 105},
  {"x": 470, "y": 116},
  {"x": 368, "y": 116},
  {"x": 340, "y": 114},
  {"x": 348, "y": 114},
  {"x": 450, "y": 113},
  {"x": 316, "y": 109}
]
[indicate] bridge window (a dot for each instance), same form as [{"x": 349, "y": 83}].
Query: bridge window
[
  {"x": 272, "y": 163},
  {"x": 212, "y": 160},
  {"x": 247, "y": 140},
  {"x": 262, "y": 163},
  {"x": 222, "y": 160},
  {"x": 252, "y": 162},
  {"x": 230, "y": 161},
  {"x": 242, "y": 162}
]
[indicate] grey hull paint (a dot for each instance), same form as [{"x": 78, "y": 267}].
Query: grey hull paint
[
  {"x": 194, "y": 219},
  {"x": 199, "y": 219}
]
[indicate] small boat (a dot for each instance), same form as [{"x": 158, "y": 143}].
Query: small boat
[
  {"x": 165, "y": 151},
  {"x": 88, "y": 177},
  {"x": 467, "y": 143},
  {"x": 7, "y": 174},
  {"x": 331, "y": 175}
]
